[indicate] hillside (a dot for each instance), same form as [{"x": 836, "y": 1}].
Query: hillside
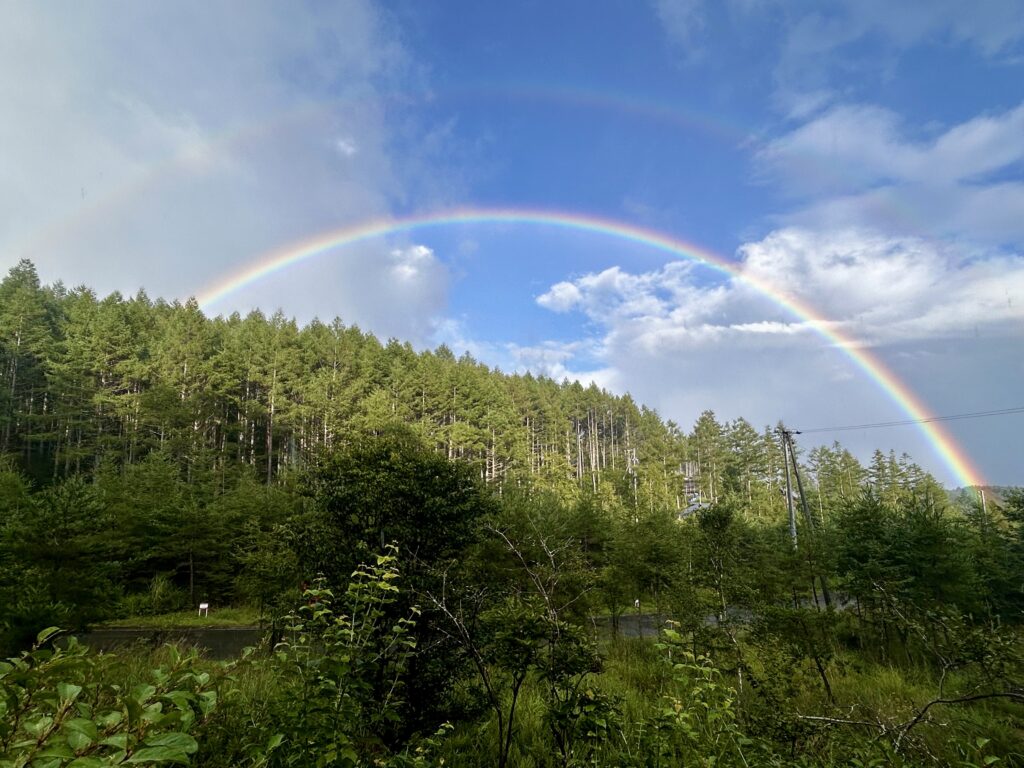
[
  {"x": 89, "y": 383},
  {"x": 434, "y": 539}
]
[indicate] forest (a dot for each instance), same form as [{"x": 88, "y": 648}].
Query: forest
[{"x": 453, "y": 565}]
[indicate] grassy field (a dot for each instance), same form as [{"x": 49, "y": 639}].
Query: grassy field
[{"x": 220, "y": 617}]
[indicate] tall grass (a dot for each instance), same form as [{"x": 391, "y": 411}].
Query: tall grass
[
  {"x": 218, "y": 617},
  {"x": 872, "y": 700}
]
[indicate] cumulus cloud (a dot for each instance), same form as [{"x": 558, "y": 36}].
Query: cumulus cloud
[
  {"x": 908, "y": 236},
  {"x": 682, "y": 343},
  {"x": 167, "y": 145},
  {"x": 614, "y": 294},
  {"x": 878, "y": 288},
  {"x": 884, "y": 289},
  {"x": 561, "y": 297}
]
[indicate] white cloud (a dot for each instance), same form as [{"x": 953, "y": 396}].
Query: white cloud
[
  {"x": 618, "y": 295},
  {"x": 769, "y": 327},
  {"x": 399, "y": 292},
  {"x": 682, "y": 345},
  {"x": 910, "y": 237},
  {"x": 857, "y": 167},
  {"x": 415, "y": 263},
  {"x": 849, "y": 147},
  {"x": 885, "y": 289},
  {"x": 877, "y": 288},
  {"x": 167, "y": 145},
  {"x": 561, "y": 297},
  {"x": 552, "y": 359},
  {"x": 856, "y": 146}
]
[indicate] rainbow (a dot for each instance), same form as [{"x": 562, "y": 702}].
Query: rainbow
[{"x": 280, "y": 259}]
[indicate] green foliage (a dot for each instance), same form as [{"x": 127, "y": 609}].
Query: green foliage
[
  {"x": 151, "y": 458},
  {"x": 58, "y": 707},
  {"x": 391, "y": 489},
  {"x": 697, "y": 723},
  {"x": 60, "y": 568},
  {"x": 337, "y": 657}
]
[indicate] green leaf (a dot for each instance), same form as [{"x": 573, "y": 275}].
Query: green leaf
[
  {"x": 143, "y": 692},
  {"x": 158, "y": 755},
  {"x": 56, "y": 750},
  {"x": 207, "y": 701},
  {"x": 274, "y": 742},
  {"x": 110, "y": 719},
  {"x": 46, "y": 634},
  {"x": 80, "y": 732},
  {"x": 154, "y": 713},
  {"x": 134, "y": 710},
  {"x": 118, "y": 740},
  {"x": 36, "y": 727},
  {"x": 180, "y": 699},
  {"x": 68, "y": 692},
  {"x": 179, "y": 741}
]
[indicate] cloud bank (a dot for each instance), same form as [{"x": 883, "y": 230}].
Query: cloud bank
[{"x": 165, "y": 145}]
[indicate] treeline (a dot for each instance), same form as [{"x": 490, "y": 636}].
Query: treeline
[
  {"x": 147, "y": 451},
  {"x": 90, "y": 384}
]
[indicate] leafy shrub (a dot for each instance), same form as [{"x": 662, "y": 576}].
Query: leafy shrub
[
  {"x": 340, "y": 672},
  {"x": 58, "y": 708}
]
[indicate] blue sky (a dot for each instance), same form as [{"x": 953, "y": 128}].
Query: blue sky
[{"x": 865, "y": 157}]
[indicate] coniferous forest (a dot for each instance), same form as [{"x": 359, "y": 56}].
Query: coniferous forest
[{"x": 453, "y": 565}]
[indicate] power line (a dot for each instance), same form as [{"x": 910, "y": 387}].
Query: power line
[{"x": 907, "y": 422}]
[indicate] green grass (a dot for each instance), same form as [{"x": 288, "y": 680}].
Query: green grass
[
  {"x": 635, "y": 675},
  {"x": 219, "y": 617}
]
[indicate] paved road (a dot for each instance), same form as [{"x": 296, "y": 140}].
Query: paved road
[{"x": 632, "y": 624}]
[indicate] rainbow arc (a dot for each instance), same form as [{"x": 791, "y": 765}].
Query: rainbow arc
[{"x": 278, "y": 260}]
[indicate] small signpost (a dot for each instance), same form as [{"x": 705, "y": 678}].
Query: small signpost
[{"x": 204, "y": 609}]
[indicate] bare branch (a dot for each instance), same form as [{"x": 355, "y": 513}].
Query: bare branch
[{"x": 840, "y": 721}]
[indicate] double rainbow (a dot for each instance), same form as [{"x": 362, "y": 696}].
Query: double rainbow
[{"x": 280, "y": 259}]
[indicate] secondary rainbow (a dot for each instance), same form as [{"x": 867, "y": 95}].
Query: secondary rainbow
[
  {"x": 280, "y": 259},
  {"x": 649, "y": 109}
]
